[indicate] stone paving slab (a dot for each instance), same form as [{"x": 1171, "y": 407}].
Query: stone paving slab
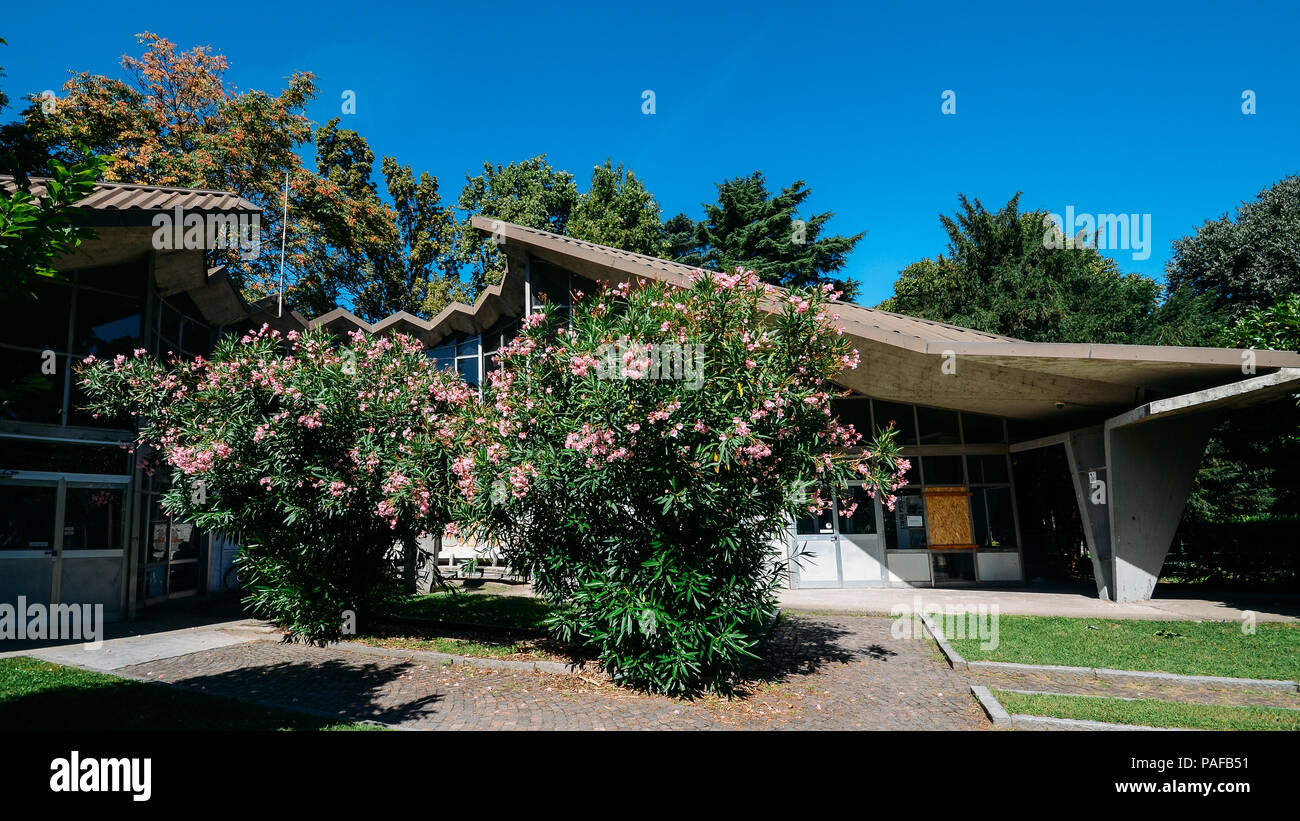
[{"x": 823, "y": 673}]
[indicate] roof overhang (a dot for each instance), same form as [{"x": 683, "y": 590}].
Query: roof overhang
[{"x": 908, "y": 359}]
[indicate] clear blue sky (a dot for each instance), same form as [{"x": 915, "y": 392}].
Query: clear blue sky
[{"x": 1107, "y": 106}]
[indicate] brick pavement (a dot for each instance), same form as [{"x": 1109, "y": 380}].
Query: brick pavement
[{"x": 826, "y": 672}]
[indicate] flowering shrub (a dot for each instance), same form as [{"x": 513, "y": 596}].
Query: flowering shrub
[
  {"x": 321, "y": 456},
  {"x": 640, "y": 460}
]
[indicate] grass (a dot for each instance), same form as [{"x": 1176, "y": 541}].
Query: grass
[
  {"x": 478, "y": 608},
  {"x": 479, "y": 648},
  {"x": 1150, "y": 712},
  {"x": 483, "y": 625},
  {"x": 38, "y": 695},
  {"x": 1210, "y": 648}
]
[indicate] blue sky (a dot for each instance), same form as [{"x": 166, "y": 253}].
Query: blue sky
[{"x": 1106, "y": 107}]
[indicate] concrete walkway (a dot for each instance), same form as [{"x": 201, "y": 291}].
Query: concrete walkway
[
  {"x": 132, "y": 643},
  {"x": 1047, "y": 602}
]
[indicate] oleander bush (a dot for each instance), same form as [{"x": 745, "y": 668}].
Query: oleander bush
[
  {"x": 639, "y": 454},
  {"x": 322, "y": 455}
]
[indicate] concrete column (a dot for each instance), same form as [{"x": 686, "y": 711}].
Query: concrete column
[
  {"x": 1152, "y": 463},
  {"x": 1086, "y": 450}
]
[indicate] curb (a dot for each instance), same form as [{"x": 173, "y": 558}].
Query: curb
[
  {"x": 557, "y": 667},
  {"x": 1020, "y": 721},
  {"x": 991, "y": 706},
  {"x": 958, "y": 662},
  {"x": 1024, "y": 722}
]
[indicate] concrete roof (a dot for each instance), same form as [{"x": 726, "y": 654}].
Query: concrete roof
[{"x": 904, "y": 357}]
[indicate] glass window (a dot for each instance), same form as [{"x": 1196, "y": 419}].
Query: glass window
[
  {"x": 169, "y": 328},
  {"x": 905, "y": 525},
  {"x": 92, "y": 519},
  {"x": 107, "y": 324},
  {"x": 196, "y": 338},
  {"x": 954, "y": 566},
  {"x": 468, "y": 369},
  {"x": 155, "y": 581},
  {"x": 901, "y": 415},
  {"x": 942, "y": 470},
  {"x": 938, "y": 427},
  {"x": 34, "y": 454},
  {"x": 27, "y": 393},
  {"x": 548, "y": 281},
  {"x": 863, "y": 520},
  {"x": 468, "y": 347},
  {"x": 41, "y": 323},
  {"x": 27, "y": 517},
  {"x": 120, "y": 279},
  {"x": 184, "y": 576},
  {"x": 987, "y": 469},
  {"x": 443, "y": 355},
  {"x": 980, "y": 429},
  {"x": 995, "y": 525},
  {"x": 855, "y": 411},
  {"x": 810, "y": 524}
]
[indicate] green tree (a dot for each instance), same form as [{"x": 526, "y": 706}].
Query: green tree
[
  {"x": 529, "y": 193},
  {"x": 1001, "y": 276},
  {"x": 176, "y": 121},
  {"x": 34, "y": 231},
  {"x": 1245, "y": 260},
  {"x": 405, "y": 256},
  {"x": 680, "y": 240},
  {"x": 617, "y": 211},
  {"x": 751, "y": 228}
]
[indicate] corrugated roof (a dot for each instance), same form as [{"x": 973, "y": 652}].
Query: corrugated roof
[{"x": 118, "y": 196}]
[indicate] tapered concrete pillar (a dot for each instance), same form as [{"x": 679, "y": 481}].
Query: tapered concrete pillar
[
  {"x": 1086, "y": 450},
  {"x": 1152, "y": 464}
]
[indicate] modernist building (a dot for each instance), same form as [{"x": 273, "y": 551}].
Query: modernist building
[
  {"x": 79, "y": 516},
  {"x": 1130, "y": 423},
  {"x": 80, "y": 521}
]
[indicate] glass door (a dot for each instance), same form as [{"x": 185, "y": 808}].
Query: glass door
[
  {"x": 29, "y": 539},
  {"x": 841, "y": 548}
]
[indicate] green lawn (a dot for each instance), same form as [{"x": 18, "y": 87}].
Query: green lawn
[
  {"x": 478, "y": 608},
  {"x": 38, "y": 695},
  {"x": 1191, "y": 648},
  {"x": 1150, "y": 712}
]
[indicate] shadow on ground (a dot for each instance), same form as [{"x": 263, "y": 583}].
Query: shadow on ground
[
  {"x": 804, "y": 645},
  {"x": 350, "y": 689}
]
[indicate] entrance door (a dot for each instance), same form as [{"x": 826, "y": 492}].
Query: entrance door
[
  {"x": 61, "y": 539},
  {"x": 862, "y": 550},
  {"x": 29, "y": 539},
  {"x": 836, "y": 549}
]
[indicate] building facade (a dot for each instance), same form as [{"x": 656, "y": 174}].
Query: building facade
[
  {"x": 1126, "y": 426},
  {"x": 80, "y": 520}
]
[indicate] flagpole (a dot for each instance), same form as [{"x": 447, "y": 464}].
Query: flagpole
[{"x": 284, "y": 232}]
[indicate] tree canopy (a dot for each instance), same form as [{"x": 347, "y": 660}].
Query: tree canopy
[
  {"x": 999, "y": 276},
  {"x": 749, "y": 227}
]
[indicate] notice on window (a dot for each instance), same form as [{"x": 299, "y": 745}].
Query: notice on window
[{"x": 915, "y": 521}]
